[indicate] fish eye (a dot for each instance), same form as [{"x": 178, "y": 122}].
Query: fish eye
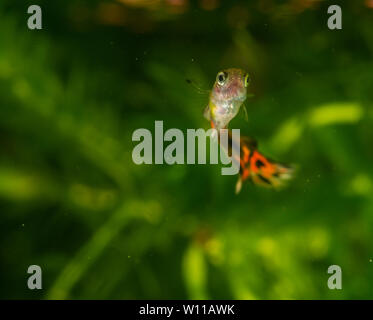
[
  {"x": 247, "y": 80},
  {"x": 221, "y": 77}
]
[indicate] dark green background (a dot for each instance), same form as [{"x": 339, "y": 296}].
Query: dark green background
[{"x": 73, "y": 202}]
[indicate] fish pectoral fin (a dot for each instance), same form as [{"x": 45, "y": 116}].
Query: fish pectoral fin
[
  {"x": 246, "y": 116},
  {"x": 207, "y": 113}
]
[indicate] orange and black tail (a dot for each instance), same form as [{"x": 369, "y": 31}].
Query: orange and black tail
[{"x": 256, "y": 167}]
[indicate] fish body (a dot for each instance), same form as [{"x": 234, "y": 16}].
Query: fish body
[{"x": 226, "y": 97}]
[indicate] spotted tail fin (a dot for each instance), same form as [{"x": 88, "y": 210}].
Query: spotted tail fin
[
  {"x": 262, "y": 171},
  {"x": 255, "y": 166}
]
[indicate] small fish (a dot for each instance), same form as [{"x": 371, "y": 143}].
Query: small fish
[{"x": 226, "y": 97}]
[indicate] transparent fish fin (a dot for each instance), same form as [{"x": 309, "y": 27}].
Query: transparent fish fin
[
  {"x": 238, "y": 185},
  {"x": 246, "y": 116},
  {"x": 207, "y": 114}
]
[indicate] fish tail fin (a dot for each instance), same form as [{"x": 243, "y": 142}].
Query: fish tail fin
[
  {"x": 270, "y": 174},
  {"x": 255, "y": 166},
  {"x": 262, "y": 171}
]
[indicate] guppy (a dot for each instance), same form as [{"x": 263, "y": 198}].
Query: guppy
[{"x": 226, "y": 97}]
